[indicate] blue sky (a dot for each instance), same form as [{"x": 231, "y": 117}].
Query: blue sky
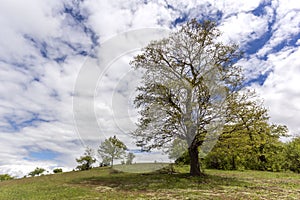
[{"x": 45, "y": 44}]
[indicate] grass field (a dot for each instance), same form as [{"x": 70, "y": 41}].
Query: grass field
[{"x": 106, "y": 183}]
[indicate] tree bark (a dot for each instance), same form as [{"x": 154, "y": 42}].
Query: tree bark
[
  {"x": 194, "y": 161},
  {"x": 233, "y": 163}
]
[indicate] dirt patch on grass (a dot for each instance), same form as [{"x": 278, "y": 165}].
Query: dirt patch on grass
[{"x": 103, "y": 188}]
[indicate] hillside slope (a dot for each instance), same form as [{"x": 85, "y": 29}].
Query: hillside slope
[{"x": 105, "y": 183}]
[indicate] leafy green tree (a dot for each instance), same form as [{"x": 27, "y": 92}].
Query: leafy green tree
[
  {"x": 111, "y": 149},
  {"x": 293, "y": 155},
  {"x": 129, "y": 158},
  {"x": 86, "y": 161},
  {"x": 248, "y": 141},
  {"x": 5, "y": 177},
  {"x": 57, "y": 170},
  {"x": 37, "y": 171},
  {"x": 187, "y": 78}
]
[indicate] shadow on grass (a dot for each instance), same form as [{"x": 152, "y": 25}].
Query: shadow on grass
[{"x": 160, "y": 181}]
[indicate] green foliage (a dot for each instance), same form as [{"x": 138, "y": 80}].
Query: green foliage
[
  {"x": 184, "y": 159},
  {"x": 37, "y": 171},
  {"x": 129, "y": 158},
  {"x": 111, "y": 149},
  {"x": 5, "y": 177},
  {"x": 249, "y": 141},
  {"x": 57, "y": 170},
  {"x": 86, "y": 161},
  {"x": 293, "y": 155}
]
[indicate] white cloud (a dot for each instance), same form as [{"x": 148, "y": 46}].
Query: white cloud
[
  {"x": 286, "y": 24},
  {"x": 109, "y": 18},
  {"x": 33, "y": 18},
  {"x": 232, "y": 7},
  {"x": 280, "y": 90},
  {"x": 243, "y": 27},
  {"x": 254, "y": 67}
]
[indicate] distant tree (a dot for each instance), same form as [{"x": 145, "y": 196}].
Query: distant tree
[
  {"x": 111, "y": 149},
  {"x": 37, "y": 171},
  {"x": 57, "y": 170},
  {"x": 4, "y": 177},
  {"x": 129, "y": 158},
  {"x": 86, "y": 161}
]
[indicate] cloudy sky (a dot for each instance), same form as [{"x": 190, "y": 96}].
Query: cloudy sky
[{"x": 57, "y": 95}]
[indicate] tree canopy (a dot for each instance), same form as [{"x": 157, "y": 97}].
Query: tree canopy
[
  {"x": 293, "y": 155},
  {"x": 190, "y": 79},
  {"x": 249, "y": 141}
]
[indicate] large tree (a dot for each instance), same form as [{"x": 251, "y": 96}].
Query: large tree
[
  {"x": 111, "y": 149},
  {"x": 188, "y": 79}
]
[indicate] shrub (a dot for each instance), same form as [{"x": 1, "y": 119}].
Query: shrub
[{"x": 57, "y": 170}]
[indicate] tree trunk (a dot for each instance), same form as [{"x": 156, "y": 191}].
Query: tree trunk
[
  {"x": 194, "y": 163},
  {"x": 233, "y": 163}
]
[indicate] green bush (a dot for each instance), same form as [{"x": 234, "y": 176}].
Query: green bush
[
  {"x": 57, "y": 170},
  {"x": 37, "y": 171},
  {"x": 4, "y": 177}
]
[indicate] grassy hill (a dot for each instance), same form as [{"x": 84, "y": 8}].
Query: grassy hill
[{"x": 106, "y": 183}]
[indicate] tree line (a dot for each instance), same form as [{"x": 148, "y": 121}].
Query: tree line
[{"x": 277, "y": 156}]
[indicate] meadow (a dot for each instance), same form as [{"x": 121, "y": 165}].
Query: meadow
[{"x": 107, "y": 183}]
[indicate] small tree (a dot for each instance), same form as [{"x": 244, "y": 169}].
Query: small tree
[
  {"x": 37, "y": 171},
  {"x": 57, "y": 170},
  {"x": 111, "y": 149},
  {"x": 129, "y": 158},
  {"x": 86, "y": 160}
]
